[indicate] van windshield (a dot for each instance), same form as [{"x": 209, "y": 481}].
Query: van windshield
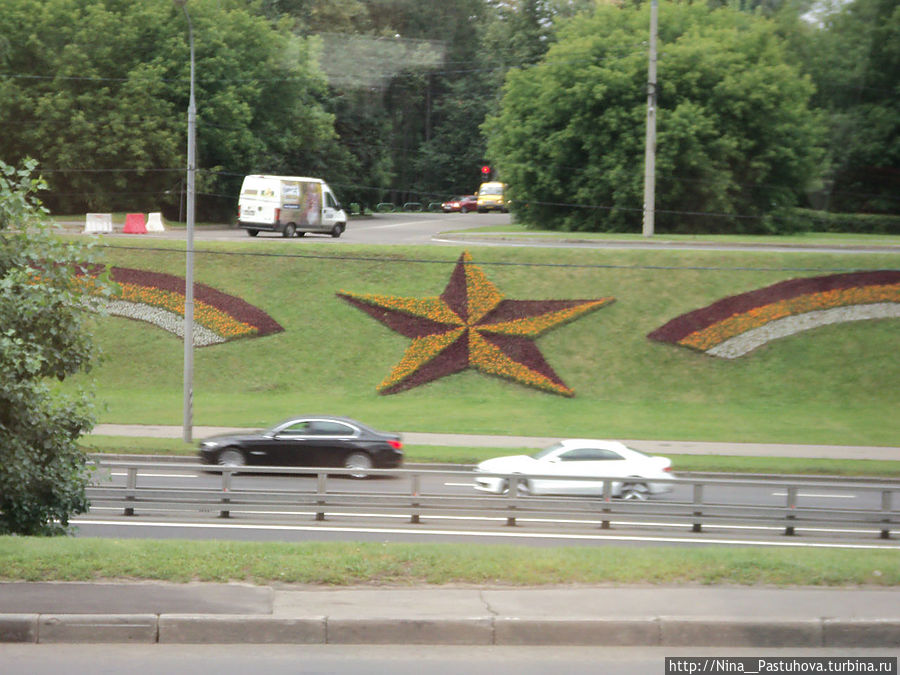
[{"x": 491, "y": 190}]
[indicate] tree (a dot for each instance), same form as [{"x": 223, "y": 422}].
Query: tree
[
  {"x": 854, "y": 59},
  {"x": 736, "y": 136},
  {"x": 98, "y": 90},
  {"x": 42, "y": 337}
]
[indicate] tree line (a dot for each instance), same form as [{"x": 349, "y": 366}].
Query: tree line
[{"x": 763, "y": 105}]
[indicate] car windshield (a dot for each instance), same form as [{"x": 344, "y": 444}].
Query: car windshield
[
  {"x": 547, "y": 451},
  {"x": 491, "y": 190}
]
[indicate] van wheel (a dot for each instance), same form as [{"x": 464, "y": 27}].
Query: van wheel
[
  {"x": 337, "y": 230},
  {"x": 289, "y": 231},
  {"x": 253, "y": 233}
]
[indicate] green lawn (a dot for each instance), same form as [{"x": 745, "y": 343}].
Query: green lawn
[
  {"x": 354, "y": 563},
  {"x": 834, "y": 385}
]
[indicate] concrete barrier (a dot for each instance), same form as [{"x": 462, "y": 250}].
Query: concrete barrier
[
  {"x": 95, "y": 223},
  {"x": 135, "y": 223},
  {"x": 155, "y": 223}
]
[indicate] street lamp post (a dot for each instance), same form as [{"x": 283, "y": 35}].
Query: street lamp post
[
  {"x": 189, "y": 264},
  {"x": 650, "y": 145}
]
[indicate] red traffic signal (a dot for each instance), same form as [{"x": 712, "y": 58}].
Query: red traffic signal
[{"x": 485, "y": 170}]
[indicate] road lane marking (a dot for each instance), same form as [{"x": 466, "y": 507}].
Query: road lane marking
[
  {"x": 810, "y": 494},
  {"x": 157, "y": 475}
]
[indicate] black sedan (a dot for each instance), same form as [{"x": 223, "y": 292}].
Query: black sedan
[{"x": 312, "y": 441}]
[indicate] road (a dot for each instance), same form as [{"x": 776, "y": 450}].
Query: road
[
  {"x": 579, "y": 521},
  {"x": 97, "y": 659},
  {"x": 450, "y": 229}
]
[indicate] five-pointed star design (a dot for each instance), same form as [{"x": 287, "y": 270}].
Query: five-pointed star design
[{"x": 472, "y": 325}]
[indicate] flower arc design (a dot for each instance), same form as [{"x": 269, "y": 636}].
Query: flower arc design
[
  {"x": 159, "y": 299},
  {"x": 737, "y": 325},
  {"x": 471, "y": 325}
]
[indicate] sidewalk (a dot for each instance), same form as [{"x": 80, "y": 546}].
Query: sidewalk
[
  {"x": 535, "y": 442},
  {"x": 632, "y": 616}
]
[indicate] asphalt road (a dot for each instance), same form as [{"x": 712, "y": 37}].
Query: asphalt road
[
  {"x": 369, "y": 522},
  {"x": 450, "y": 229},
  {"x": 97, "y": 659}
]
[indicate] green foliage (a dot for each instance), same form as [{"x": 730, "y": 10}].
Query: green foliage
[
  {"x": 42, "y": 337},
  {"x": 735, "y": 133},
  {"x": 786, "y": 221},
  {"x": 99, "y": 91},
  {"x": 854, "y": 60}
]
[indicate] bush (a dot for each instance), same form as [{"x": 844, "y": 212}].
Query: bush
[{"x": 794, "y": 220}]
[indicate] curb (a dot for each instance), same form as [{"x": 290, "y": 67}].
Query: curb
[{"x": 663, "y": 631}]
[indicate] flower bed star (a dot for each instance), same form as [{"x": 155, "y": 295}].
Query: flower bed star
[
  {"x": 737, "y": 325},
  {"x": 159, "y": 299},
  {"x": 471, "y": 325}
]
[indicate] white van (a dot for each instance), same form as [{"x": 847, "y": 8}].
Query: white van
[{"x": 290, "y": 205}]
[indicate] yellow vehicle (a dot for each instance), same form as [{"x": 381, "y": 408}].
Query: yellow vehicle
[{"x": 491, "y": 197}]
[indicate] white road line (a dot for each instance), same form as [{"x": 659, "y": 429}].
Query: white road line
[
  {"x": 810, "y": 494},
  {"x": 505, "y": 535},
  {"x": 707, "y": 527},
  {"x": 156, "y": 475}
]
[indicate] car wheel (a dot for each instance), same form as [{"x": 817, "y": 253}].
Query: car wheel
[
  {"x": 464, "y": 210},
  {"x": 289, "y": 231},
  {"x": 359, "y": 463},
  {"x": 231, "y": 457},
  {"x": 252, "y": 233},
  {"x": 337, "y": 230},
  {"x": 638, "y": 491}
]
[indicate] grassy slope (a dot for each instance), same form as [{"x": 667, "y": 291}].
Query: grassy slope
[{"x": 834, "y": 385}]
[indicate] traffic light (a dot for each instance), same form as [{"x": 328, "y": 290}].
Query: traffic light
[{"x": 486, "y": 171}]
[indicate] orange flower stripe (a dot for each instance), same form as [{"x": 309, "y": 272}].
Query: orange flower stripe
[
  {"x": 489, "y": 359},
  {"x": 482, "y": 295},
  {"x": 433, "y": 308},
  {"x": 811, "y": 302},
  {"x": 420, "y": 352},
  {"x": 216, "y": 320},
  {"x": 534, "y": 326}
]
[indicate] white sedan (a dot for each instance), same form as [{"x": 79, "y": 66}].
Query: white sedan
[{"x": 643, "y": 475}]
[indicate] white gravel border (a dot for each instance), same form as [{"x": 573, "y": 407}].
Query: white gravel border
[
  {"x": 168, "y": 321},
  {"x": 756, "y": 337}
]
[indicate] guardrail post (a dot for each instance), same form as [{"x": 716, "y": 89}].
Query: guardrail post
[
  {"x": 886, "y": 497},
  {"x": 607, "y": 498},
  {"x": 226, "y": 487},
  {"x": 698, "y": 512},
  {"x": 791, "y": 504},
  {"x": 130, "y": 487},
  {"x": 320, "y": 491},
  {"x": 513, "y": 494},
  {"x": 416, "y": 486}
]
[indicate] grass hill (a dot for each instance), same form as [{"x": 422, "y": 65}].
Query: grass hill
[{"x": 836, "y": 384}]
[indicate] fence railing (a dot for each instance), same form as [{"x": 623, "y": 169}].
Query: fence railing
[{"x": 783, "y": 505}]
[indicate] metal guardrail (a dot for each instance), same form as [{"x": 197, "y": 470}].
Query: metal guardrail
[{"x": 407, "y": 498}]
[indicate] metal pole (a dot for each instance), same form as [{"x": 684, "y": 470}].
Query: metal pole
[
  {"x": 650, "y": 153},
  {"x": 189, "y": 264}
]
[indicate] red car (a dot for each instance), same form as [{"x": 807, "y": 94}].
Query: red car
[{"x": 463, "y": 204}]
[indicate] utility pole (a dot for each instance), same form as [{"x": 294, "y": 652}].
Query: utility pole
[
  {"x": 189, "y": 263},
  {"x": 650, "y": 151}
]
